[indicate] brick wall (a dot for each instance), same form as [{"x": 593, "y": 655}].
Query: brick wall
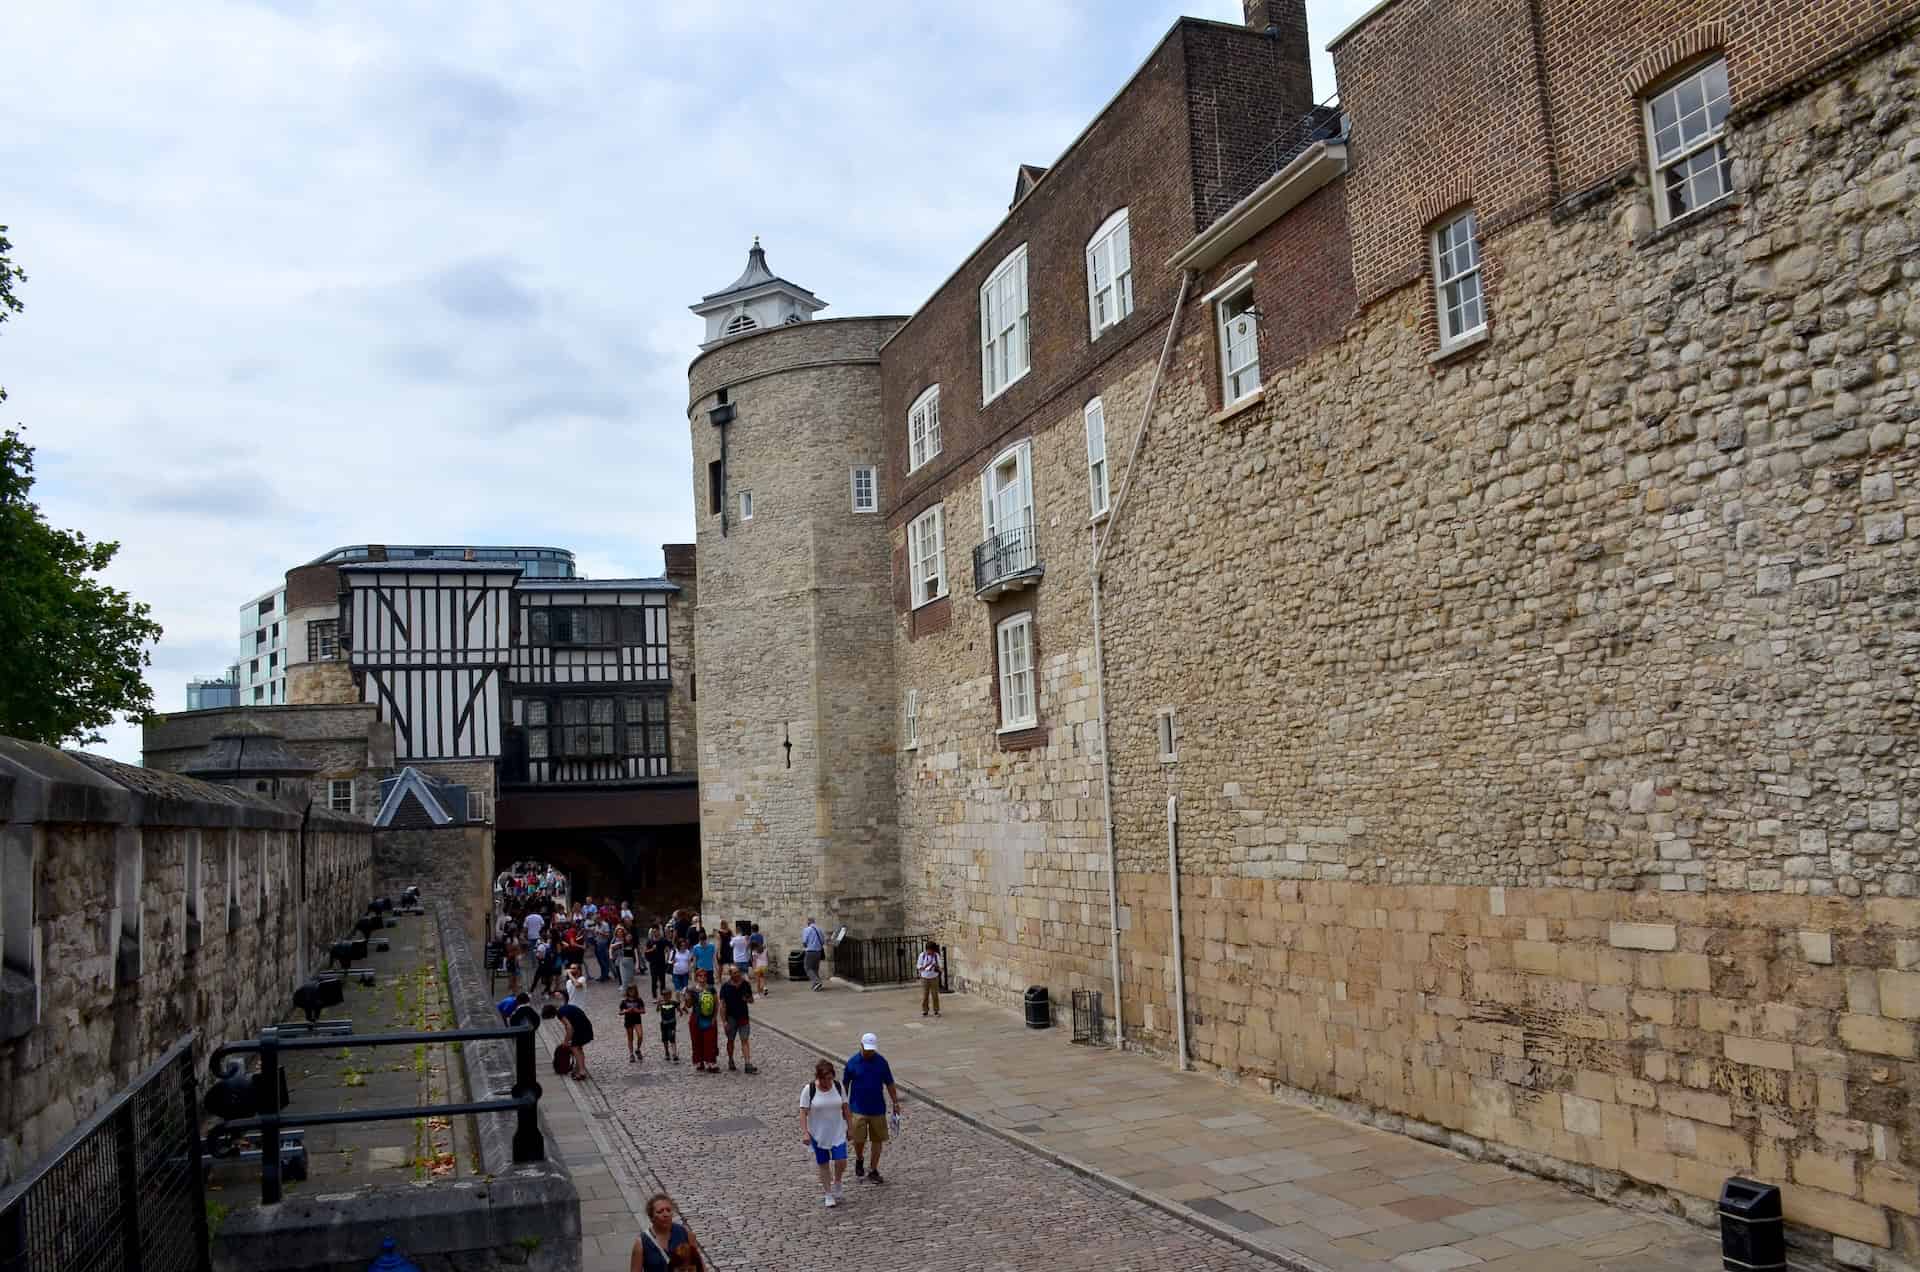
[
  {"x": 1134, "y": 156},
  {"x": 1601, "y": 53},
  {"x": 1446, "y": 110}
]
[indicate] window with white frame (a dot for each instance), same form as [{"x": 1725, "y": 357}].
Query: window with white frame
[
  {"x": 913, "y": 719},
  {"x": 1456, "y": 280},
  {"x": 926, "y": 551},
  {"x": 866, "y": 489},
  {"x": 1003, "y": 325},
  {"x": 1096, "y": 416},
  {"x": 1015, "y": 637},
  {"x": 1109, "y": 274},
  {"x": 1167, "y": 735},
  {"x": 340, "y": 794},
  {"x": 1239, "y": 331},
  {"x": 923, "y": 428},
  {"x": 1686, "y": 136},
  {"x": 477, "y": 806},
  {"x": 1006, "y": 495},
  {"x": 746, "y": 505}
]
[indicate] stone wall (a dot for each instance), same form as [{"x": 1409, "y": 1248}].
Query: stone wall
[
  {"x": 1578, "y": 676},
  {"x": 346, "y": 741},
  {"x": 792, "y": 636},
  {"x": 453, "y": 864},
  {"x": 140, "y": 905}
]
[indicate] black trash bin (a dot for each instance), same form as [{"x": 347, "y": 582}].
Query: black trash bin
[
  {"x": 1752, "y": 1237},
  {"x": 1039, "y": 1014},
  {"x": 796, "y": 965}
]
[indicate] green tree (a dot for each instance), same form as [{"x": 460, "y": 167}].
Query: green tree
[{"x": 71, "y": 648}]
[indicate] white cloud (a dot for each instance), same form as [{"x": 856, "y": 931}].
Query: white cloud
[{"x": 305, "y": 275}]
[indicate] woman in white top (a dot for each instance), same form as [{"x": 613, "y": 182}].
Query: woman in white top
[
  {"x": 823, "y": 1127},
  {"x": 739, "y": 948},
  {"x": 575, "y": 984}
]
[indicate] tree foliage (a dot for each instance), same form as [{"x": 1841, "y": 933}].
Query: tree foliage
[{"x": 71, "y": 648}]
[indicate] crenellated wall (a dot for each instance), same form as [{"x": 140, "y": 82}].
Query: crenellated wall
[{"x": 139, "y": 905}]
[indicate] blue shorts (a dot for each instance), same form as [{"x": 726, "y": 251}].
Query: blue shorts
[
  {"x": 679, "y": 981},
  {"x": 838, "y": 1153}
]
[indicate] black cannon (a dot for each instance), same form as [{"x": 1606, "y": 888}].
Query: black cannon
[
  {"x": 343, "y": 954},
  {"x": 367, "y": 924},
  {"x": 315, "y": 996},
  {"x": 237, "y": 1093},
  {"x": 380, "y": 905}
]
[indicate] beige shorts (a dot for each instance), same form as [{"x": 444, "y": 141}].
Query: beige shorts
[{"x": 869, "y": 1126}]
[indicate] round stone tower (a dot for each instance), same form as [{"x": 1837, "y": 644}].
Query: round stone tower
[{"x": 794, "y": 625}]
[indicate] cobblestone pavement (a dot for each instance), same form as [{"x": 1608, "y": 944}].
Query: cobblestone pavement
[
  {"x": 1291, "y": 1179},
  {"x": 727, "y": 1148}
]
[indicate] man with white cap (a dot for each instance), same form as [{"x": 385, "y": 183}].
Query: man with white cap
[{"x": 869, "y": 1089}]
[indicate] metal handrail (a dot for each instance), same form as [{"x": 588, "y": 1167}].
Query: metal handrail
[
  {"x": 101, "y": 1116},
  {"x": 528, "y": 1144},
  {"x": 1005, "y": 555}
]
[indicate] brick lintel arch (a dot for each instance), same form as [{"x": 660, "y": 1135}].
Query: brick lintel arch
[{"x": 1673, "y": 54}]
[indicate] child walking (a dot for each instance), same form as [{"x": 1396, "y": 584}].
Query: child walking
[
  {"x": 633, "y": 1014},
  {"x": 669, "y": 1008}
]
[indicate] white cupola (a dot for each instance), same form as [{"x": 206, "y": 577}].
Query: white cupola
[{"x": 755, "y": 300}]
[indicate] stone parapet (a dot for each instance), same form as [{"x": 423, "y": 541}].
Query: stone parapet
[{"x": 140, "y": 906}]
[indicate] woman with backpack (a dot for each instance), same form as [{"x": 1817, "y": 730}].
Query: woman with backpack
[
  {"x": 823, "y": 1127},
  {"x": 703, "y": 1023}
]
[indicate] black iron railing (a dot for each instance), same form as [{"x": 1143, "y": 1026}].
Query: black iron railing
[
  {"x": 223, "y": 1138},
  {"x": 1290, "y": 139},
  {"x": 884, "y": 960},
  {"x": 120, "y": 1192},
  {"x": 1007, "y": 555}
]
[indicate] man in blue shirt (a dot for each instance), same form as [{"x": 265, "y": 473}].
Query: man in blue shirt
[
  {"x": 703, "y": 959},
  {"x": 869, "y": 1089},
  {"x": 814, "y": 946}
]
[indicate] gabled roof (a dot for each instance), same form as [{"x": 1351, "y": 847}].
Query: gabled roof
[
  {"x": 1024, "y": 180},
  {"x": 411, "y": 781}
]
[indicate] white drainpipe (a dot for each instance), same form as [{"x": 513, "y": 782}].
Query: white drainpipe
[
  {"x": 1100, "y": 660},
  {"x": 1179, "y": 958}
]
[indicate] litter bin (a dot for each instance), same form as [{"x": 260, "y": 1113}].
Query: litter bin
[
  {"x": 1039, "y": 1015},
  {"x": 1752, "y": 1237},
  {"x": 796, "y": 965}
]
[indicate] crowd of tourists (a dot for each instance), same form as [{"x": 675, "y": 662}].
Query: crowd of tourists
[{"x": 553, "y": 946}]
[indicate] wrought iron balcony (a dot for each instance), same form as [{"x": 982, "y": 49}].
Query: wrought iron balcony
[{"x": 1007, "y": 561}]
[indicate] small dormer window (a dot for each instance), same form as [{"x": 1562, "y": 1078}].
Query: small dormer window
[{"x": 743, "y": 322}]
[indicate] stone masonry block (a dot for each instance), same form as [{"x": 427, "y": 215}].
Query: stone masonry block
[
  {"x": 1830, "y": 1212},
  {"x": 1900, "y": 995},
  {"x": 1877, "y": 1034},
  {"x": 1816, "y": 947},
  {"x": 1643, "y": 936},
  {"x": 1757, "y": 1051}
]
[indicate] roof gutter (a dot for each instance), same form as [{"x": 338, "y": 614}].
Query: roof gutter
[{"x": 1272, "y": 199}]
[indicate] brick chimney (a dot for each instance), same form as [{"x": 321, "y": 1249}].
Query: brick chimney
[
  {"x": 679, "y": 559},
  {"x": 1286, "y": 20}
]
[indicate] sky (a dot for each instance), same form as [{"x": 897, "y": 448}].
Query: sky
[{"x": 306, "y": 274}]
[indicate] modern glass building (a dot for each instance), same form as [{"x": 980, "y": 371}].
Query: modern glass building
[{"x": 536, "y": 563}]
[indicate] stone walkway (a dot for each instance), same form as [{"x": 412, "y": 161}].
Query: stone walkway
[
  {"x": 727, "y": 1149},
  {"x": 1307, "y": 1186}
]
